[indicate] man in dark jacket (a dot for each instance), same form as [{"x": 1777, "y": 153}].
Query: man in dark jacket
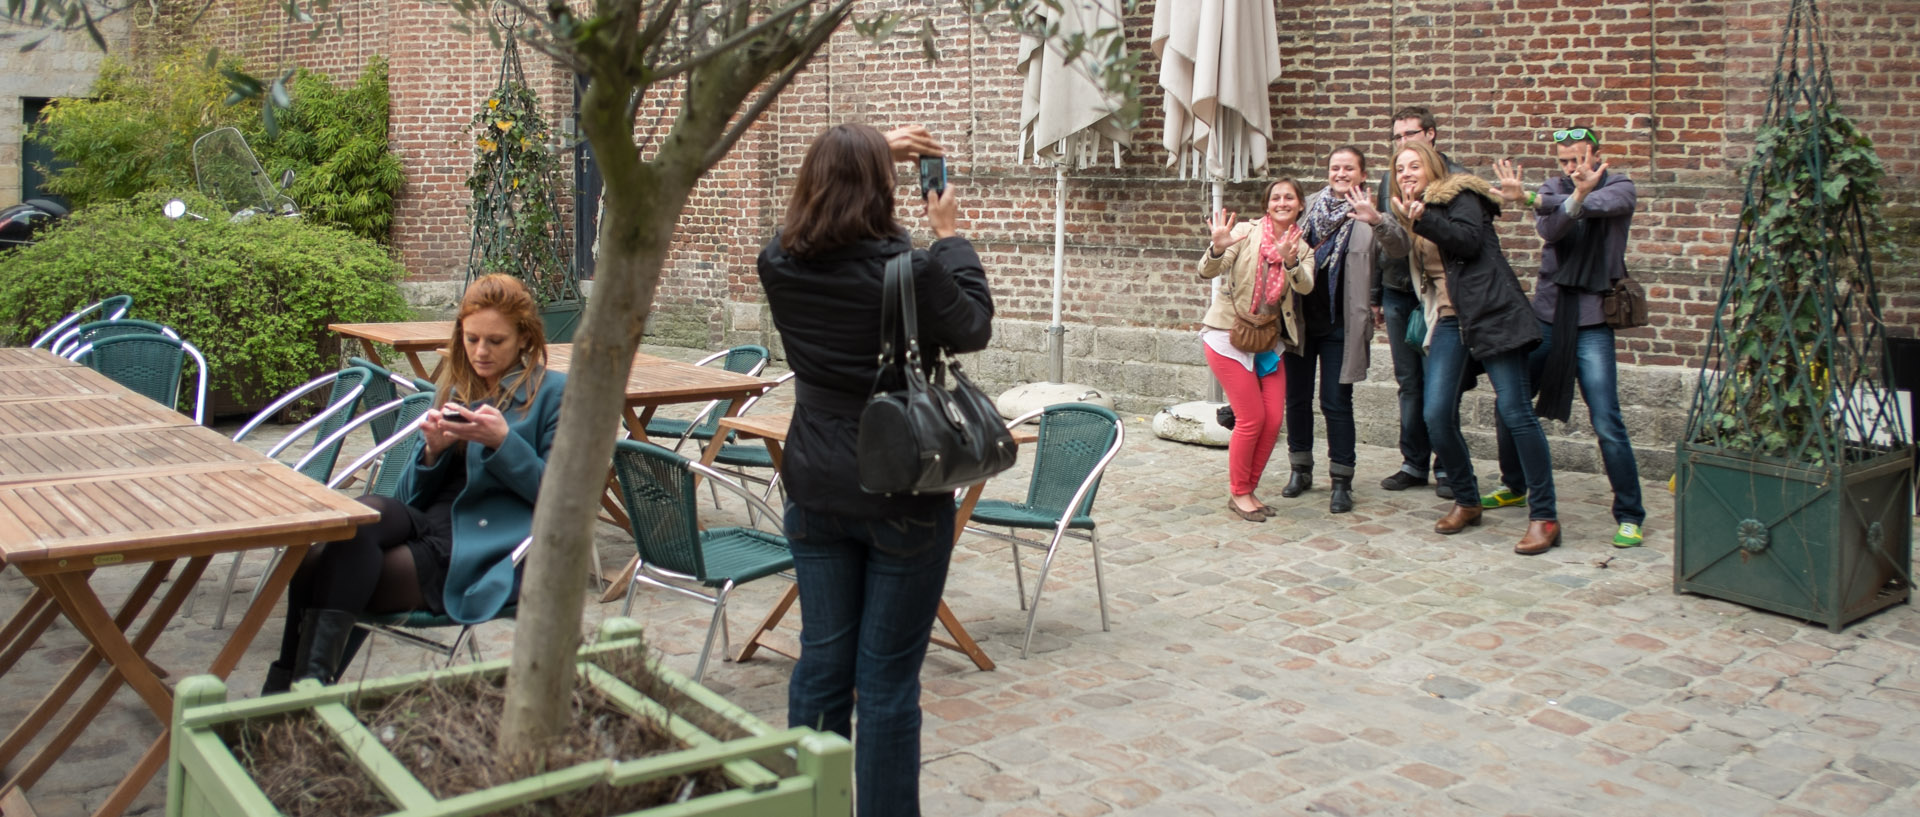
[
  {"x": 1393, "y": 301},
  {"x": 1584, "y": 217}
]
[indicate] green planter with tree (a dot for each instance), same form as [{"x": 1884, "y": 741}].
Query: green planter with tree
[
  {"x": 1795, "y": 478},
  {"x": 775, "y": 773}
]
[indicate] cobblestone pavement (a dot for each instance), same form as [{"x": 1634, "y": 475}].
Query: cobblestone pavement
[{"x": 1315, "y": 664}]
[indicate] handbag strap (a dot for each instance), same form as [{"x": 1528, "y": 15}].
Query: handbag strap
[{"x": 898, "y": 308}]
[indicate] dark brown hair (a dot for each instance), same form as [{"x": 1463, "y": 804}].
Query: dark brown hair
[
  {"x": 1266, "y": 193},
  {"x": 506, "y": 295},
  {"x": 843, "y": 194},
  {"x": 1427, "y": 122},
  {"x": 1359, "y": 158}
]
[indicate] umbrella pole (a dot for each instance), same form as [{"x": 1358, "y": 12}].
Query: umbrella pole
[
  {"x": 1217, "y": 394},
  {"x": 1056, "y": 334}
]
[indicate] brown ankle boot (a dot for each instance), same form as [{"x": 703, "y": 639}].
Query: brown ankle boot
[
  {"x": 1542, "y": 536},
  {"x": 1457, "y": 520}
]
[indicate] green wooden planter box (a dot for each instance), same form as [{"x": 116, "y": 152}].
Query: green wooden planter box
[
  {"x": 561, "y": 318},
  {"x": 1828, "y": 545},
  {"x": 789, "y": 773}
]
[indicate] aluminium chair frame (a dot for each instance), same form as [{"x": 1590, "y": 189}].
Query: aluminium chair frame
[
  {"x": 701, "y": 415},
  {"x": 719, "y": 599},
  {"x": 1061, "y": 530},
  {"x": 333, "y": 484},
  {"x": 67, "y": 345},
  {"x": 73, "y": 319}
]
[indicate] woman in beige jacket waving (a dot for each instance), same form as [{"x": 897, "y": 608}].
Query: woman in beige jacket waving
[{"x": 1263, "y": 260}]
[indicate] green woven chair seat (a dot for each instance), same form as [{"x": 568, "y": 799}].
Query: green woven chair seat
[
  {"x": 424, "y": 619},
  {"x": 1020, "y": 515},
  {"x": 744, "y": 455},
  {"x": 742, "y": 555}
]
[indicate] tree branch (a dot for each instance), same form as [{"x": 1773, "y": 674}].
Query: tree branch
[
  {"x": 736, "y": 40},
  {"x": 806, "y": 51}
]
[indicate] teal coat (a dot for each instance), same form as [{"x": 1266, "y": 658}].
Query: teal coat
[{"x": 494, "y": 512}]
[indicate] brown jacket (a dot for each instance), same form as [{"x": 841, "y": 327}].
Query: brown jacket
[{"x": 1242, "y": 257}]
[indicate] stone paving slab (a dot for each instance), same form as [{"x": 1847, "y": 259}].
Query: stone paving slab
[{"x": 1316, "y": 664}]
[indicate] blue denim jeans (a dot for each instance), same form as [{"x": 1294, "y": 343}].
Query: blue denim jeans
[
  {"x": 869, "y": 589},
  {"x": 1447, "y": 360},
  {"x": 1409, "y": 372},
  {"x": 1321, "y": 356},
  {"x": 1600, "y": 390}
]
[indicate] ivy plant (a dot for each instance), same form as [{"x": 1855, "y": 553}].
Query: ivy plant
[
  {"x": 516, "y": 226},
  {"x": 1799, "y": 290}
]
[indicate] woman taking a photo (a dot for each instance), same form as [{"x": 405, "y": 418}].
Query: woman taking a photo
[
  {"x": 1338, "y": 330},
  {"x": 464, "y": 504},
  {"x": 1476, "y": 314},
  {"x": 870, "y": 567},
  {"x": 1249, "y": 318}
]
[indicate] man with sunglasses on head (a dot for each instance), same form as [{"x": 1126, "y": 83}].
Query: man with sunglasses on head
[
  {"x": 1393, "y": 302},
  {"x": 1583, "y": 216}
]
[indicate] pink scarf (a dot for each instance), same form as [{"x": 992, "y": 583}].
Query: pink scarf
[{"x": 1274, "y": 271}]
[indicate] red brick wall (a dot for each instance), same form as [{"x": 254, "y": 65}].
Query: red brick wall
[{"x": 1676, "y": 87}]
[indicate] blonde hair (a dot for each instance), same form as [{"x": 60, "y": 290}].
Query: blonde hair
[
  {"x": 506, "y": 295},
  {"x": 1431, "y": 165}
]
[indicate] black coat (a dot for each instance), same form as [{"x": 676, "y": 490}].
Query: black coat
[
  {"x": 827, "y": 309},
  {"x": 1494, "y": 314}
]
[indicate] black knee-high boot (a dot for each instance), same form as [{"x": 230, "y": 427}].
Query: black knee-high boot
[
  {"x": 281, "y": 672},
  {"x": 323, "y": 642}
]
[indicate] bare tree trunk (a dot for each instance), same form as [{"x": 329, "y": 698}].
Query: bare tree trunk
[{"x": 637, "y": 229}]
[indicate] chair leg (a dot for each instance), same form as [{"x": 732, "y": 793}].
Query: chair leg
[
  {"x": 1099, "y": 580},
  {"x": 453, "y": 650},
  {"x": 226, "y": 593},
  {"x": 1039, "y": 586},
  {"x": 1019, "y": 576},
  {"x": 633, "y": 589},
  {"x": 719, "y": 619}
]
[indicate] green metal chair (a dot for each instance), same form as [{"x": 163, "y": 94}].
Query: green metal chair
[
  {"x": 382, "y": 388},
  {"x": 747, "y": 359},
  {"x": 1077, "y": 441},
  {"x": 343, "y": 402},
  {"x": 149, "y": 364},
  {"x": 738, "y": 457},
  {"x": 657, "y": 488},
  {"x": 113, "y": 308},
  {"x": 71, "y": 340}
]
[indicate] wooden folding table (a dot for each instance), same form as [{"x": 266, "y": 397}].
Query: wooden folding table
[
  {"x": 409, "y": 338},
  {"x": 772, "y": 430},
  {"x": 106, "y": 481}
]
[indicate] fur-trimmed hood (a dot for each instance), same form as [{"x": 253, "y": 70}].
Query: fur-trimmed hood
[{"x": 1447, "y": 189}]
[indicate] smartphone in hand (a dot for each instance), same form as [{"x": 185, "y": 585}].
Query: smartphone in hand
[
  {"x": 451, "y": 416},
  {"x": 933, "y": 175}
]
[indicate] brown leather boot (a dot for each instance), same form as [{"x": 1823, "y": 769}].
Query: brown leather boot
[
  {"x": 1542, "y": 536},
  {"x": 1457, "y": 520}
]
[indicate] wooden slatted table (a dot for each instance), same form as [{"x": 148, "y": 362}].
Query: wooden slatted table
[
  {"x": 13, "y": 358},
  {"x": 114, "y": 482},
  {"x": 409, "y": 338},
  {"x": 72, "y": 380},
  {"x": 772, "y": 430}
]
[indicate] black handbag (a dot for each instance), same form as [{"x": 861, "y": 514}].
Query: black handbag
[{"x": 925, "y": 438}]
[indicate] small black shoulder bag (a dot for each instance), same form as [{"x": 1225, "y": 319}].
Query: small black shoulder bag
[{"x": 925, "y": 438}]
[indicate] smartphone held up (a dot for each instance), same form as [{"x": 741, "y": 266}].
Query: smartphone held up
[{"x": 933, "y": 175}]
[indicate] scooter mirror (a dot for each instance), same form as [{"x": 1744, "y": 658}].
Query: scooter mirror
[
  {"x": 286, "y": 179},
  {"x": 174, "y": 209}
]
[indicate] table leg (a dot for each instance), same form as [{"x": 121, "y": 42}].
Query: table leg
[
  {"x": 136, "y": 780},
  {"x": 24, "y": 629},
  {"x": 772, "y": 620},
  {"x": 419, "y": 368},
  {"x": 960, "y": 639},
  {"x": 618, "y": 581},
  {"x": 149, "y": 632},
  {"x": 30, "y": 726},
  {"x": 13, "y": 803},
  {"x": 373, "y": 352}
]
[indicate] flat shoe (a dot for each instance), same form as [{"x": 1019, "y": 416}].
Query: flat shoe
[{"x": 1250, "y": 516}]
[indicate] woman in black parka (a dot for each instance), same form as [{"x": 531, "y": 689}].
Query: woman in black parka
[
  {"x": 1477, "y": 314},
  {"x": 870, "y": 568}
]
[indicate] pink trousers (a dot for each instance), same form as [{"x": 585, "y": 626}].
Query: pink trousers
[{"x": 1259, "y": 404}]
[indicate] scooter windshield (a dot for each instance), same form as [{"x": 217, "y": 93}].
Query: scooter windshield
[{"x": 227, "y": 172}]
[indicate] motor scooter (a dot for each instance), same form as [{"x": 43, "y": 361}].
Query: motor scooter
[
  {"x": 227, "y": 172},
  {"x": 21, "y": 224}
]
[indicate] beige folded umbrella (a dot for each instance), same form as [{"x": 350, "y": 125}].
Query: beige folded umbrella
[{"x": 1217, "y": 59}]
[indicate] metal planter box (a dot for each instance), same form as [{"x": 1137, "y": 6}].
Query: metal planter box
[
  {"x": 1828, "y": 545},
  {"x": 790, "y": 773}
]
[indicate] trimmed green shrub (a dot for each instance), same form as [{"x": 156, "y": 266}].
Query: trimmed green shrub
[
  {"x": 255, "y": 296},
  {"x": 136, "y": 132}
]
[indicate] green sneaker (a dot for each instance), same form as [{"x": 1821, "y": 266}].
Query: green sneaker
[
  {"x": 1502, "y": 498},
  {"x": 1628, "y": 536}
]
